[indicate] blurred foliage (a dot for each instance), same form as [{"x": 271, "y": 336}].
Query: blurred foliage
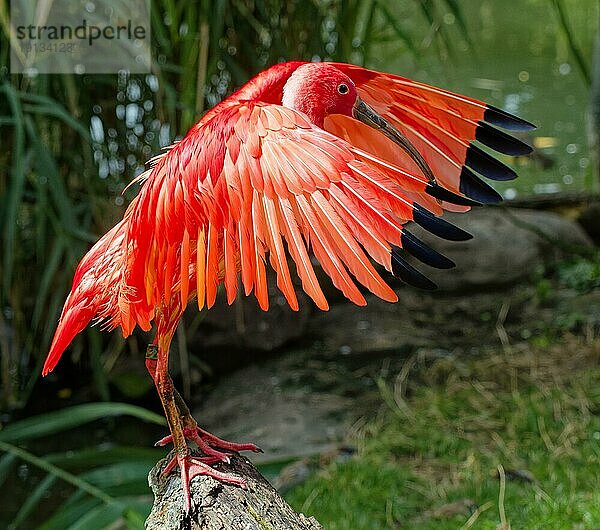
[
  {"x": 577, "y": 272},
  {"x": 569, "y": 289},
  {"x": 569, "y": 34},
  {"x": 105, "y": 484},
  {"x": 72, "y": 143},
  {"x": 582, "y": 275}
]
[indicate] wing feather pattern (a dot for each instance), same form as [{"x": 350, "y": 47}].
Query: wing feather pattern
[
  {"x": 284, "y": 188},
  {"x": 442, "y": 125},
  {"x": 254, "y": 180}
]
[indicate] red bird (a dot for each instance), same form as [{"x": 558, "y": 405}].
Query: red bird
[{"x": 322, "y": 157}]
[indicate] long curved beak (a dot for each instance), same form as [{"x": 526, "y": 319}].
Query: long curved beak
[{"x": 363, "y": 112}]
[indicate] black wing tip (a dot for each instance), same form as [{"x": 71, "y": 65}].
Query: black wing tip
[
  {"x": 472, "y": 186},
  {"x": 485, "y": 164},
  {"x": 417, "y": 248},
  {"x": 506, "y": 120},
  {"x": 500, "y": 141},
  {"x": 438, "y": 192},
  {"x": 408, "y": 274},
  {"x": 438, "y": 226}
]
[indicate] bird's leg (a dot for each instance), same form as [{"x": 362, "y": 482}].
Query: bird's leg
[
  {"x": 189, "y": 466},
  {"x": 164, "y": 386},
  {"x": 208, "y": 443}
]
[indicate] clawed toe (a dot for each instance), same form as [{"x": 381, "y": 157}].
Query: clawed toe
[
  {"x": 206, "y": 460},
  {"x": 219, "y": 443},
  {"x": 211, "y": 445},
  {"x": 192, "y": 466},
  {"x": 198, "y": 467},
  {"x": 214, "y": 450},
  {"x": 164, "y": 441}
]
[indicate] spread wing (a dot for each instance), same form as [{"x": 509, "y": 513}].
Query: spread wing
[
  {"x": 256, "y": 183},
  {"x": 442, "y": 126},
  {"x": 260, "y": 183}
]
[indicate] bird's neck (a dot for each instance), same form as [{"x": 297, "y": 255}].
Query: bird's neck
[{"x": 297, "y": 97}]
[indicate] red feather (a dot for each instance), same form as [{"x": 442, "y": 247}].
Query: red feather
[{"x": 255, "y": 177}]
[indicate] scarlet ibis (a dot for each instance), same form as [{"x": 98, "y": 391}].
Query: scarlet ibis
[{"x": 322, "y": 157}]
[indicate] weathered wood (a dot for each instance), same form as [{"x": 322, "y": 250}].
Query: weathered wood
[{"x": 220, "y": 506}]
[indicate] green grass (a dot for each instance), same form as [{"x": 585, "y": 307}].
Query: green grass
[{"x": 451, "y": 428}]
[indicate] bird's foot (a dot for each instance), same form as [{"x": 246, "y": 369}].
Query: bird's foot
[
  {"x": 215, "y": 450},
  {"x": 212, "y": 446},
  {"x": 191, "y": 466}
]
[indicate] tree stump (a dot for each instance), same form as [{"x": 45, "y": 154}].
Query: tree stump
[{"x": 218, "y": 506}]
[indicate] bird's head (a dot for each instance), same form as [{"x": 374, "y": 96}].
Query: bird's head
[{"x": 320, "y": 89}]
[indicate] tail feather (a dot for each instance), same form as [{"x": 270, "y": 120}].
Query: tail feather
[
  {"x": 74, "y": 319},
  {"x": 94, "y": 293}
]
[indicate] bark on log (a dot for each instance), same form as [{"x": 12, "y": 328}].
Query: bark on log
[{"x": 218, "y": 506}]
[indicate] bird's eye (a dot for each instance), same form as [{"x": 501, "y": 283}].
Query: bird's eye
[{"x": 343, "y": 88}]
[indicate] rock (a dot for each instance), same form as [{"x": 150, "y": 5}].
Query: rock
[
  {"x": 506, "y": 247},
  {"x": 379, "y": 326},
  {"x": 297, "y": 472},
  {"x": 304, "y": 401},
  {"x": 293, "y": 475},
  {"x": 432, "y": 319},
  {"x": 230, "y": 337},
  {"x": 272, "y": 405}
]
